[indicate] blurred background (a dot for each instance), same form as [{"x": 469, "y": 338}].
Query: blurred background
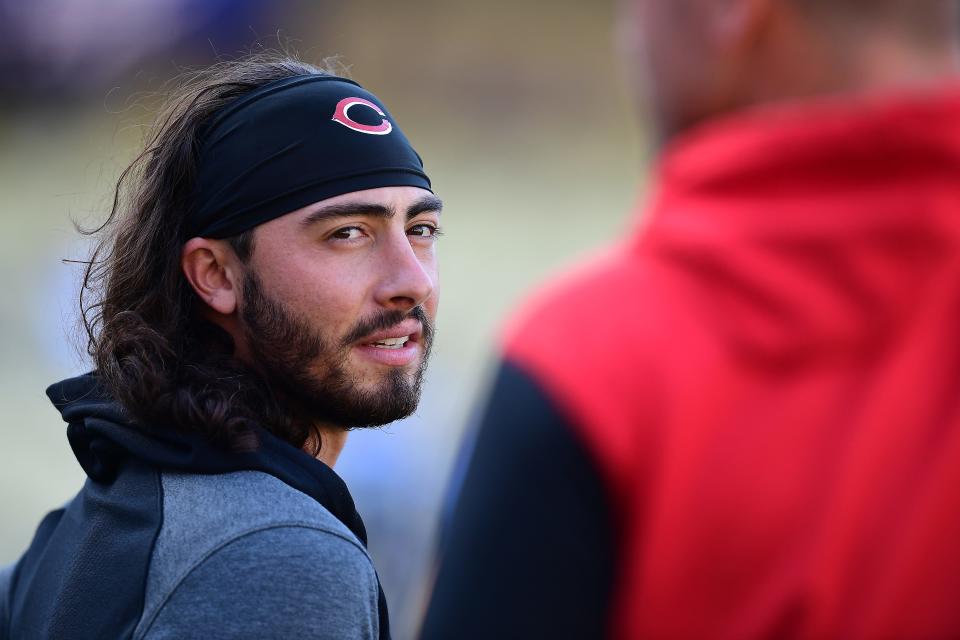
[{"x": 519, "y": 109}]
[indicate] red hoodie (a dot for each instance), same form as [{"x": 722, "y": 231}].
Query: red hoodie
[{"x": 765, "y": 378}]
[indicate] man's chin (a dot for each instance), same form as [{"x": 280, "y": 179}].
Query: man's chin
[
  {"x": 396, "y": 383},
  {"x": 374, "y": 398}
]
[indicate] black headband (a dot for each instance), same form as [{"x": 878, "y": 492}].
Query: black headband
[{"x": 291, "y": 143}]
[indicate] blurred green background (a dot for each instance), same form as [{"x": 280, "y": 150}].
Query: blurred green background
[{"x": 519, "y": 109}]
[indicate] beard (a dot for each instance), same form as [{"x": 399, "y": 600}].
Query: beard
[{"x": 309, "y": 371}]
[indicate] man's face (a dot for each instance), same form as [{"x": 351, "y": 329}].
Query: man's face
[
  {"x": 339, "y": 301},
  {"x": 669, "y": 47}
]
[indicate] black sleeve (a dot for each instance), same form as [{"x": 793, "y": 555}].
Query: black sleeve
[
  {"x": 529, "y": 549},
  {"x": 6, "y": 574}
]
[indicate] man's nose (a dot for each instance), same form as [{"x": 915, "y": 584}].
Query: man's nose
[{"x": 407, "y": 282}]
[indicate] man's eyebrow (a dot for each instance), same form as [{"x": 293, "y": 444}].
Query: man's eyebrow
[
  {"x": 345, "y": 210},
  {"x": 424, "y": 204},
  {"x": 349, "y": 209}
]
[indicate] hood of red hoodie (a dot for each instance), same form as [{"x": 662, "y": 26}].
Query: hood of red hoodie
[{"x": 816, "y": 228}]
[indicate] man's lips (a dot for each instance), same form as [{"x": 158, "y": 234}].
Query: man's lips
[
  {"x": 397, "y": 346},
  {"x": 407, "y": 329}
]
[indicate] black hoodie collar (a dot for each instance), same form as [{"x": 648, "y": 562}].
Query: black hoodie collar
[{"x": 103, "y": 436}]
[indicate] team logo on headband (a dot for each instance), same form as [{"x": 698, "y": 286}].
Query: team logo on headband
[{"x": 342, "y": 115}]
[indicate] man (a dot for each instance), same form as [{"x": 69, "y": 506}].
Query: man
[
  {"x": 743, "y": 421},
  {"x": 267, "y": 281}
]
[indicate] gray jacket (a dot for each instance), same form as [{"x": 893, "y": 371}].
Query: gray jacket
[{"x": 243, "y": 555}]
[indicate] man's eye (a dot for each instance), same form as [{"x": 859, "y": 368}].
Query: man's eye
[
  {"x": 424, "y": 231},
  {"x": 348, "y": 233}
]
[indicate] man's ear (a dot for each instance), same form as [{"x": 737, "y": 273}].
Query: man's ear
[{"x": 214, "y": 272}]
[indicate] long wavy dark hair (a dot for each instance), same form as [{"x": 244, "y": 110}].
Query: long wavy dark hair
[{"x": 166, "y": 365}]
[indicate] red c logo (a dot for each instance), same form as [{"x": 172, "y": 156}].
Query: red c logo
[{"x": 341, "y": 116}]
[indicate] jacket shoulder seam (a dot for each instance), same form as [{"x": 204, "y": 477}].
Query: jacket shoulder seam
[{"x": 235, "y": 538}]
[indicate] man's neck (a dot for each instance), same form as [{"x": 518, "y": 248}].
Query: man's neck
[
  {"x": 883, "y": 67},
  {"x": 332, "y": 441},
  {"x": 870, "y": 63}
]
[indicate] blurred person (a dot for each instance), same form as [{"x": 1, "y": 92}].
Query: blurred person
[
  {"x": 744, "y": 420},
  {"x": 267, "y": 280}
]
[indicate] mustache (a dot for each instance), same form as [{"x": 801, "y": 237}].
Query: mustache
[{"x": 386, "y": 319}]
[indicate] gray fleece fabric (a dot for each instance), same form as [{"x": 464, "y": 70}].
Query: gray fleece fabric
[{"x": 243, "y": 556}]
